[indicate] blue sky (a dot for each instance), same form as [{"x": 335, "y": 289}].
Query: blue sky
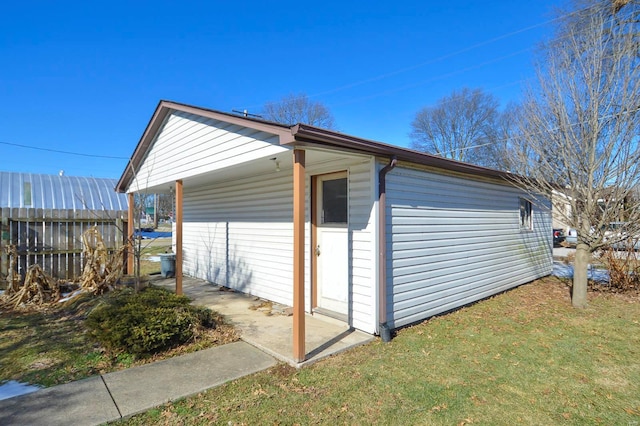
[{"x": 86, "y": 76}]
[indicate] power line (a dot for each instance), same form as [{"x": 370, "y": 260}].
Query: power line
[
  {"x": 437, "y": 77},
  {"x": 452, "y": 54},
  {"x": 442, "y": 58},
  {"x": 549, "y": 130},
  {"x": 438, "y": 59},
  {"x": 451, "y": 151},
  {"x": 80, "y": 154}
]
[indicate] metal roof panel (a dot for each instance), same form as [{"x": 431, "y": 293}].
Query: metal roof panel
[{"x": 30, "y": 190}]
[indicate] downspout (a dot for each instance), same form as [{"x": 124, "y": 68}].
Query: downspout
[{"x": 385, "y": 332}]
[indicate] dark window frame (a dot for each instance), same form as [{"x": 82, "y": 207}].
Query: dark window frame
[{"x": 525, "y": 214}]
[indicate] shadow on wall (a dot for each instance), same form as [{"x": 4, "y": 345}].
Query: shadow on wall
[
  {"x": 448, "y": 251},
  {"x": 232, "y": 271},
  {"x": 537, "y": 249},
  {"x": 536, "y": 245}
]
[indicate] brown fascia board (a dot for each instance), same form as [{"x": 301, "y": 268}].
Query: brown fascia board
[
  {"x": 298, "y": 135},
  {"x": 279, "y": 129},
  {"x": 164, "y": 108},
  {"x": 305, "y": 134}
]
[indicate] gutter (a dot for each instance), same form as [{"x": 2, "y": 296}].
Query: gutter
[
  {"x": 313, "y": 136},
  {"x": 385, "y": 332}
]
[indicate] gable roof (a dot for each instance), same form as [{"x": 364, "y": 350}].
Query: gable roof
[{"x": 296, "y": 135}]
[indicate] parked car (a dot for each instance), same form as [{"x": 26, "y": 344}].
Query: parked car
[
  {"x": 622, "y": 239},
  {"x": 558, "y": 237},
  {"x": 613, "y": 232}
]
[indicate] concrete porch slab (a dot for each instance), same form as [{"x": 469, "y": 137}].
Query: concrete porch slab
[{"x": 268, "y": 326}]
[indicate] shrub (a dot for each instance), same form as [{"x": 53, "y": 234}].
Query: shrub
[
  {"x": 624, "y": 269},
  {"x": 147, "y": 322}
]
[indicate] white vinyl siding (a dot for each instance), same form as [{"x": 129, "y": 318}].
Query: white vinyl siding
[
  {"x": 452, "y": 241},
  {"x": 362, "y": 253},
  {"x": 239, "y": 234},
  {"x": 189, "y": 145},
  {"x": 362, "y": 225}
]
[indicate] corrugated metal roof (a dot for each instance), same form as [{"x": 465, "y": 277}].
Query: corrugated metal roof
[{"x": 29, "y": 190}]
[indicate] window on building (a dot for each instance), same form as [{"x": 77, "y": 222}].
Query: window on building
[
  {"x": 525, "y": 214},
  {"x": 334, "y": 201},
  {"x": 26, "y": 194}
]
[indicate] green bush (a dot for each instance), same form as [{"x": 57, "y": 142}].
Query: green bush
[{"x": 147, "y": 322}]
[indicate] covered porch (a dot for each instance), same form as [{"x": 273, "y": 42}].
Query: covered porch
[
  {"x": 249, "y": 215},
  {"x": 269, "y": 326}
]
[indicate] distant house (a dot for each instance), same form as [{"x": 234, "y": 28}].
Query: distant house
[
  {"x": 44, "y": 217},
  {"x": 374, "y": 235},
  {"x": 563, "y": 215},
  {"x": 561, "y": 210}
]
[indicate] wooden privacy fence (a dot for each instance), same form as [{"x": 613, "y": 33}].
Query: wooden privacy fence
[{"x": 53, "y": 238}]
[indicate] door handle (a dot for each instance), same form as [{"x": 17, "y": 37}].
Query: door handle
[{"x": 318, "y": 250}]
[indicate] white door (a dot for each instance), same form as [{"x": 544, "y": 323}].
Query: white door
[{"x": 332, "y": 243}]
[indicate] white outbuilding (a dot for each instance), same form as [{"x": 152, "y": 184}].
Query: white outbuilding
[{"x": 375, "y": 235}]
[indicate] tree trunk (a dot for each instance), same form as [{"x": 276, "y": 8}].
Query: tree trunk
[{"x": 581, "y": 264}]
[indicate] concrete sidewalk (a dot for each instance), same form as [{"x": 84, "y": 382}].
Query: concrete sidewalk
[
  {"x": 113, "y": 396},
  {"x": 266, "y": 333}
]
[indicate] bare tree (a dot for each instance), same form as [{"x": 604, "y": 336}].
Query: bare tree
[
  {"x": 462, "y": 126},
  {"x": 505, "y": 156},
  {"x": 294, "y": 109},
  {"x": 141, "y": 200},
  {"x": 580, "y": 126},
  {"x": 165, "y": 205}
]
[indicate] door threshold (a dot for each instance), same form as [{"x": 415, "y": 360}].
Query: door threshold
[{"x": 343, "y": 318}]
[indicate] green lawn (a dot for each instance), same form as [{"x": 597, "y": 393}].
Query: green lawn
[
  {"x": 151, "y": 248},
  {"x": 523, "y": 357},
  {"x": 52, "y": 346}
]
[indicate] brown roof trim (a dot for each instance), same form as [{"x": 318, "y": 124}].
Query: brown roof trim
[
  {"x": 298, "y": 135},
  {"x": 305, "y": 134},
  {"x": 138, "y": 154},
  {"x": 258, "y": 123},
  {"x": 164, "y": 108}
]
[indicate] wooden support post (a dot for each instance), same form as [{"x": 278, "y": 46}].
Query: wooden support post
[
  {"x": 130, "y": 231},
  {"x": 298, "y": 255},
  {"x": 5, "y": 242},
  {"x": 119, "y": 241},
  {"x": 178, "y": 237}
]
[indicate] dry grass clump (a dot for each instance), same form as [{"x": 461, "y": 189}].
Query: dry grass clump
[
  {"x": 624, "y": 270},
  {"x": 102, "y": 270}
]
